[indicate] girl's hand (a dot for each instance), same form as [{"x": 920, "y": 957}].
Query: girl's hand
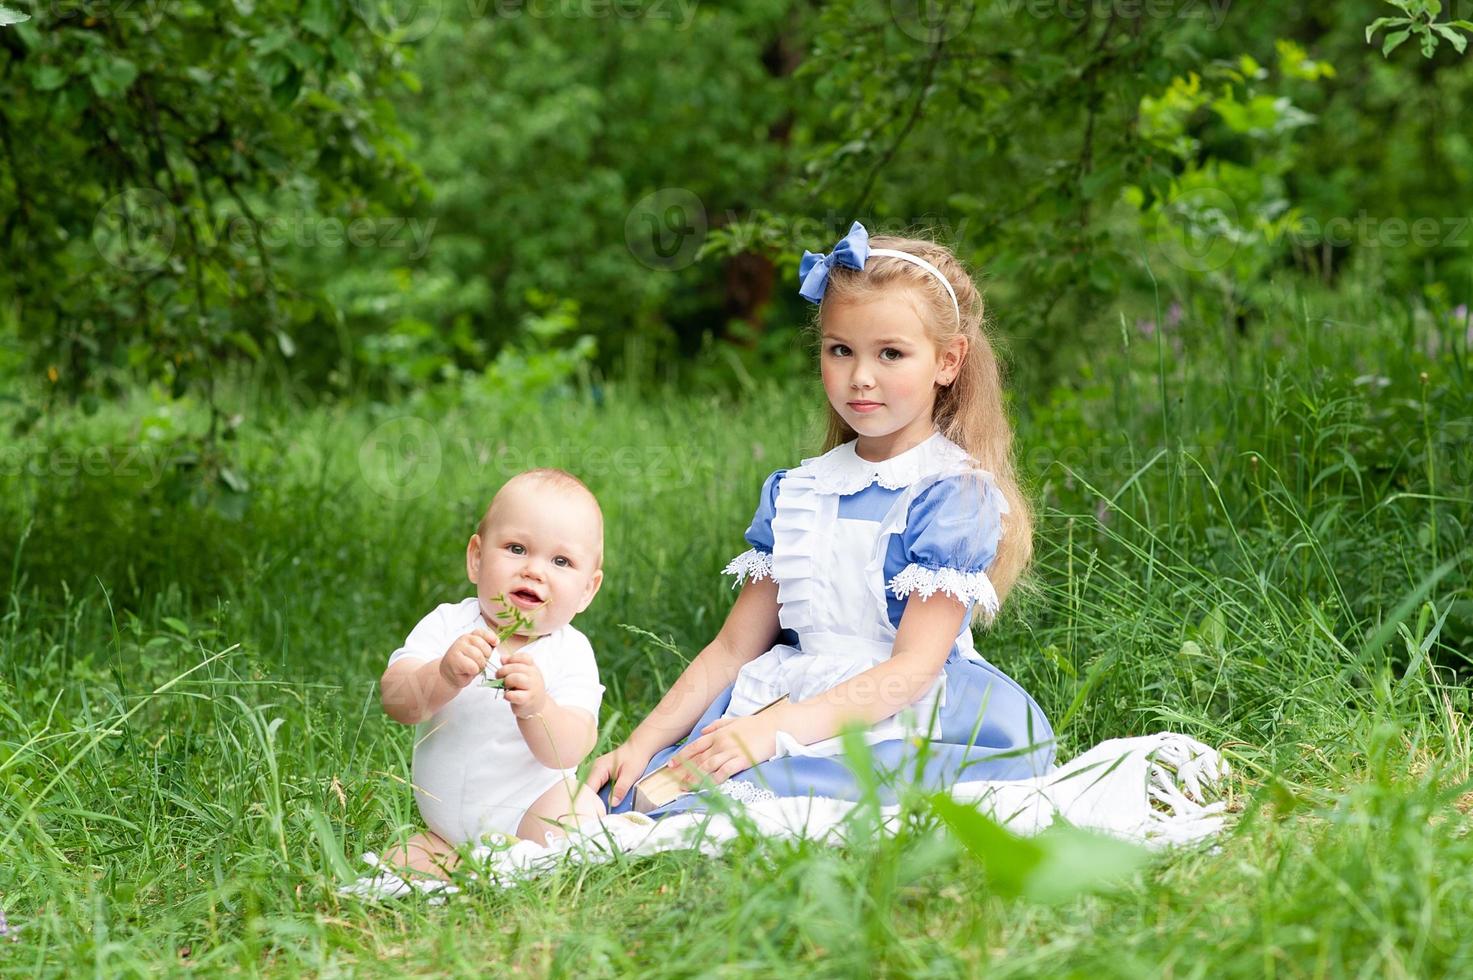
[
  {"x": 525, "y": 688},
  {"x": 623, "y": 765},
  {"x": 726, "y": 747},
  {"x": 467, "y": 656}
]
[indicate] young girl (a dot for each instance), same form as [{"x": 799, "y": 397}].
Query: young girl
[{"x": 867, "y": 564}]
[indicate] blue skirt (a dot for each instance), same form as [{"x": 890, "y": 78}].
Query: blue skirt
[{"x": 989, "y": 729}]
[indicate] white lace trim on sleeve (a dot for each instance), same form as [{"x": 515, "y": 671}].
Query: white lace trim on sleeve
[
  {"x": 962, "y": 586},
  {"x": 750, "y": 564}
]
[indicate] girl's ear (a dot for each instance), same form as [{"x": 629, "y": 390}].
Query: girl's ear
[
  {"x": 473, "y": 558},
  {"x": 953, "y": 355}
]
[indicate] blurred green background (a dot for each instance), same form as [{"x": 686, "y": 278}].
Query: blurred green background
[{"x": 360, "y": 199}]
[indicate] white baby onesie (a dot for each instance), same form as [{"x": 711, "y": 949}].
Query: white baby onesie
[{"x": 473, "y": 772}]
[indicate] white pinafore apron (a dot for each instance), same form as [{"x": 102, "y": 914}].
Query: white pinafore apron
[{"x": 830, "y": 573}]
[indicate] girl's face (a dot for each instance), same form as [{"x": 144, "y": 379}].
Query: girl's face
[{"x": 881, "y": 371}]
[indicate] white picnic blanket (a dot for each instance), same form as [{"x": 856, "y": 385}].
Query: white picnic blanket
[{"x": 1154, "y": 790}]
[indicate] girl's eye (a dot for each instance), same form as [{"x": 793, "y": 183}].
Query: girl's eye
[
  {"x": 517, "y": 549},
  {"x": 561, "y": 561},
  {"x": 839, "y": 350},
  {"x": 890, "y": 354}
]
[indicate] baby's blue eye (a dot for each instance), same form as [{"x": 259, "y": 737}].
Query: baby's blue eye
[
  {"x": 562, "y": 562},
  {"x": 890, "y": 354},
  {"x": 517, "y": 549},
  {"x": 839, "y": 350}
]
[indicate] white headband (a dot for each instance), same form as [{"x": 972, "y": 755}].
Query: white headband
[{"x": 917, "y": 260}]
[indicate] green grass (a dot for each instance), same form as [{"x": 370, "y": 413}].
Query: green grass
[{"x": 1251, "y": 541}]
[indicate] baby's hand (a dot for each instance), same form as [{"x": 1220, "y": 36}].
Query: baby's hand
[
  {"x": 525, "y": 689},
  {"x": 467, "y": 657}
]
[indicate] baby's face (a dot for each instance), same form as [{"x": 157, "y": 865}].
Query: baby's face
[{"x": 541, "y": 549}]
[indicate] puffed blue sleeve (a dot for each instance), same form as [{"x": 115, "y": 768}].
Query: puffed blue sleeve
[
  {"x": 756, "y": 562},
  {"x": 951, "y": 535}
]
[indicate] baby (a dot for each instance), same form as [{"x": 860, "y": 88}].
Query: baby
[{"x": 487, "y": 758}]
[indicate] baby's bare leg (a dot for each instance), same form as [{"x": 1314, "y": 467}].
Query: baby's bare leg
[
  {"x": 423, "y": 855},
  {"x": 564, "y": 803}
]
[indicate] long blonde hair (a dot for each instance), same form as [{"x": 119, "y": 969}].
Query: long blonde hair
[{"x": 970, "y": 411}]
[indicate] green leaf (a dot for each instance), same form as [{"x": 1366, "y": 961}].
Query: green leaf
[
  {"x": 49, "y": 78},
  {"x": 8, "y": 17},
  {"x": 246, "y": 343},
  {"x": 1381, "y": 22},
  {"x": 234, "y": 480},
  {"x": 1393, "y": 41},
  {"x": 332, "y": 850},
  {"x": 1052, "y": 867},
  {"x": 111, "y": 77},
  {"x": 1458, "y": 41},
  {"x": 319, "y": 18}
]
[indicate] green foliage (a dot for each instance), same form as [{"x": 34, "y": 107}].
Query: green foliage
[
  {"x": 576, "y": 171},
  {"x": 1225, "y": 221},
  {"x": 1419, "y": 17},
  {"x": 1054, "y": 866},
  {"x": 182, "y": 147}
]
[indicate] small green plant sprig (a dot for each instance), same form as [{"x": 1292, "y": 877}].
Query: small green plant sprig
[
  {"x": 518, "y": 622},
  {"x": 1419, "y": 18}
]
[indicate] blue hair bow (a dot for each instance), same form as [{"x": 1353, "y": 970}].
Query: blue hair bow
[{"x": 851, "y": 250}]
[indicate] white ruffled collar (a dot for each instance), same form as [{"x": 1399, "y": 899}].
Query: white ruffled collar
[{"x": 843, "y": 471}]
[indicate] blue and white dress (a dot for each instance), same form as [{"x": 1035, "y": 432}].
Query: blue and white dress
[{"x": 848, "y": 541}]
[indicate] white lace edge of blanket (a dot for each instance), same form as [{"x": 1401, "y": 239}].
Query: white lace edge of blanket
[
  {"x": 750, "y": 564},
  {"x": 961, "y": 586},
  {"x": 747, "y": 793}
]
